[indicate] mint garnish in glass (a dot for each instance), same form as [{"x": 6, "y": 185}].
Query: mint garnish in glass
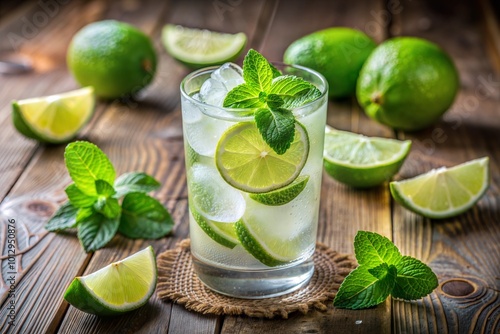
[{"x": 273, "y": 96}]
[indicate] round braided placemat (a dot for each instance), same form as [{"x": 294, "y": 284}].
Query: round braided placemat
[{"x": 178, "y": 282}]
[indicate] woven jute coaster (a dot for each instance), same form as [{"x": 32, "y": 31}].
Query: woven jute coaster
[{"x": 178, "y": 282}]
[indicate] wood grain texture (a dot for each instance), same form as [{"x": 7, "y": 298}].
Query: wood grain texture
[{"x": 463, "y": 251}]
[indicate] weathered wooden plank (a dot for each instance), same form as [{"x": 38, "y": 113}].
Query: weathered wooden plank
[
  {"x": 343, "y": 210},
  {"x": 147, "y": 135},
  {"x": 39, "y": 304},
  {"x": 463, "y": 251}
]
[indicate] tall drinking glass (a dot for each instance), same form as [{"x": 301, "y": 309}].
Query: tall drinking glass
[{"x": 244, "y": 244}]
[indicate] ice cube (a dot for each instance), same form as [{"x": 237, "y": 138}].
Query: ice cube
[
  {"x": 191, "y": 111},
  {"x": 213, "y": 92},
  {"x": 212, "y": 196},
  {"x": 231, "y": 75}
]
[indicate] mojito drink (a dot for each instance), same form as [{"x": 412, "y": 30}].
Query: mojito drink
[{"x": 254, "y": 176}]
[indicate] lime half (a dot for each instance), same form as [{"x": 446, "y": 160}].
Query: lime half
[
  {"x": 246, "y": 162},
  {"x": 199, "y": 48},
  {"x": 56, "y": 118},
  {"x": 444, "y": 192},
  {"x": 222, "y": 233},
  {"x": 361, "y": 161},
  {"x": 117, "y": 288}
]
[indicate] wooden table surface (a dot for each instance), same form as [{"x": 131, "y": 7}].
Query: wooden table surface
[{"x": 145, "y": 135}]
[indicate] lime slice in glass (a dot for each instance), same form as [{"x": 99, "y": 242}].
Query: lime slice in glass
[
  {"x": 117, "y": 288},
  {"x": 246, "y": 162},
  {"x": 283, "y": 195},
  {"x": 222, "y": 233},
  {"x": 268, "y": 247},
  {"x": 200, "y": 48},
  {"x": 56, "y": 118},
  {"x": 361, "y": 161},
  {"x": 444, "y": 192}
]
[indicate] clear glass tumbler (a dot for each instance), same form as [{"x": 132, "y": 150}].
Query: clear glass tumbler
[{"x": 241, "y": 247}]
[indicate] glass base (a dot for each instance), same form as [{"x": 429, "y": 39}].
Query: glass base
[{"x": 254, "y": 284}]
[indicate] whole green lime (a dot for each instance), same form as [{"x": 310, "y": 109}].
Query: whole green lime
[
  {"x": 407, "y": 83},
  {"x": 114, "y": 57},
  {"x": 337, "y": 53}
]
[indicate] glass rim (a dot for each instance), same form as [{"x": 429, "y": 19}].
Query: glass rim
[{"x": 244, "y": 112}]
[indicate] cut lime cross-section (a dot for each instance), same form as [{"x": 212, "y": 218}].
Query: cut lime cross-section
[
  {"x": 222, "y": 233},
  {"x": 56, "y": 118},
  {"x": 200, "y": 48},
  {"x": 283, "y": 195},
  {"x": 444, "y": 192},
  {"x": 361, "y": 161},
  {"x": 117, "y": 288},
  {"x": 246, "y": 162}
]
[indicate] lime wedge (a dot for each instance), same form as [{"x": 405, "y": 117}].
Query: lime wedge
[
  {"x": 222, "y": 233},
  {"x": 283, "y": 195},
  {"x": 361, "y": 161},
  {"x": 56, "y": 118},
  {"x": 444, "y": 192},
  {"x": 246, "y": 162},
  {"x": 200, "y": 48},
  {"x": 117, "y": 288},
  {"x": 269, "y": 249}
]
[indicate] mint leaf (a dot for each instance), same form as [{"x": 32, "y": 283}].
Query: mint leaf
[
  {"x": 294, "y": 91},
  {"x": 96, "y": 231},
  {"x": 381, "y": 271},
  {"x": 84, "y": 213},
  {"x": 257, "y": 71},
  {"x": 103, "y": 188},
  {"x": 243, "y": 96},
  {"x": 361, "y": 289},
  {"x": 86, "y": 163},
  {"x": 135, "y": 182},
  {"x": 64, "y": 218},
  {"x": 276, "y": 72},
  {"x": 274, "y": 101},
  {"x": 414, "y": 280},
  {"x": 144, "y": 217},
  {"x": 108, "y": 206},
  {"x": 277, "y": 128},
  {"x": 78, "y": 198},
  {"x": 372, "y": 249}
]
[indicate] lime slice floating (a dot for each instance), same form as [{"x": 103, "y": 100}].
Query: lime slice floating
[
  {"x": 56, "y": 118},
  {"x": 117, "y": 288},
  {"x": 246, "y": 162},
  {"x": 444, "y": 192},
  {"x": 222, "y": 233},
  {"x": 283, "y": 195},
  {"x": 268, "y": 249},
  {"x": 199, "y": 48},
  {"x": 361, "y": 161}
]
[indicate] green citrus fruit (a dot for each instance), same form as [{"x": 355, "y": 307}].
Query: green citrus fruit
[
  {"x": 117, "y": 288},
  {"x": 361, "y": 161},
  {"x": 114, "y": 57},
  {"x": 283, "y": 195},
  {"x": 56, "y": 118},
  {"x": 407, "y": 83},
  {"x": 444, "y": 192},
  {"x": 248, "y": 163},
  {"x": 197, "y": 48},
  {"x": 222, "y": 233},
  {"x": 337, "y": 53}
]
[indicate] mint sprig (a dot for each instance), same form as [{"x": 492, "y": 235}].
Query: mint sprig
[
  {"x": 93, "y": 205},
  {"x": 383, "y": 271},
  {"x": 272, "y": 95}
]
